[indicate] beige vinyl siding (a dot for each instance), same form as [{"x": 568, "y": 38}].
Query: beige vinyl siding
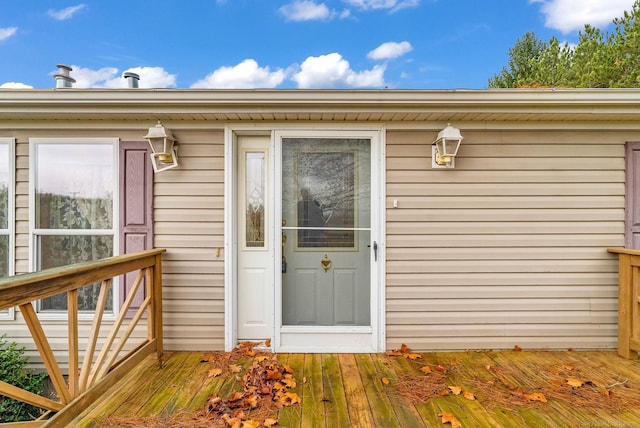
[
  {"x": 509, "y": 248},
  {"x": 189, "y": 223}
]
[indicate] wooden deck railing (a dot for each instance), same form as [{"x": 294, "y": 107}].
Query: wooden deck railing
[
  {"x": 628, "y": 301},
  {"x": 100, "y": 368}
]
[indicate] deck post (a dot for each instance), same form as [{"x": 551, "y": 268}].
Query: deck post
[
  {"x": 628, "y": 301},
  {"x": 625, "y": 279},
  {"x": 157, "y": 307}
]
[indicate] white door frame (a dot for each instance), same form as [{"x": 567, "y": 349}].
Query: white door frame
[{"x": 377, "y": 339}]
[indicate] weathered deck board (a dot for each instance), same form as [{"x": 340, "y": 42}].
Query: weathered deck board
[
  {"x": 374, "y": 390},
  {"x": 334, "y": 400},
  {"x": 346, "y": 390},
  {"x": 312, "y": 404},
  {"x": 405, "y": 412},
  {"x": 357, "y": 404},
  {"x": 290, "y": 416}
]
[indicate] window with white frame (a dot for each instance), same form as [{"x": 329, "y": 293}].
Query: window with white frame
[
  {"x": 7, "y": 198},
  {"x": 74, "y": 217}
]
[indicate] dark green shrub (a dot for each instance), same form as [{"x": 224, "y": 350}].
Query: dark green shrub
[{"x": 13, "y": 371}]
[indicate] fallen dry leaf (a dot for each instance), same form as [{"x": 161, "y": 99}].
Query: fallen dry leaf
[
  {"x": 413, "y": 356},
  {"x": 267, "y": 342},
  {"x": 234, "y": 368},
  {"x": 385, "y": 380},
  {"x": 469, "y": 395},
  {"x": 448, "y": 418},
  {"x": 289, "y": 382},
  {"x": 290, "y": 398},
  {"x": 214, "y": 372},
  {"x": 536, "y": 396},
  {"x": 517, "y": 348},
  {"x": 233, "y": 422},
  {"x": 235, "y": 396},
  {"x": 273, "y": 375},
  {"x": 455, "y": 390},
  {"x": 576, "y": 383},
  {"x": 269, "y": 422},
  {"x": 425, "y": 369},
  {"x": 251, "y": 423}
]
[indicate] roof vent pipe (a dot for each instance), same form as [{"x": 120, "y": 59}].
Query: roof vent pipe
[
  {"x": 132, "y": 79},
  {"x": 63, "y": 80}
]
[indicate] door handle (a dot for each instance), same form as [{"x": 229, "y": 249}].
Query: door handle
[{"x": 375, "y": 251}]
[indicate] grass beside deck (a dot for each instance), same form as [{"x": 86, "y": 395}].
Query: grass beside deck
[{"x": 472, "y": 389}]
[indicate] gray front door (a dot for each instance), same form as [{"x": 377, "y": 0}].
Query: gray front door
[{"x": 326, "y": 238}]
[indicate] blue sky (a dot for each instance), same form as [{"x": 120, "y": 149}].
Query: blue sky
[{"x": 399, "y": 44}]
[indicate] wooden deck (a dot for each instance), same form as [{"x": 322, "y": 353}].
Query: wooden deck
[{"x": 496, "y": 389}]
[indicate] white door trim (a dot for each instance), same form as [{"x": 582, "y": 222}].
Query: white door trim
[{"x": 367, "y": 339}]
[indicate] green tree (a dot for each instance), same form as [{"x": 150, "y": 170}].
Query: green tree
[
  {"x": 523, "y": 58},
  {"x": 599, "y": 60},
  {"x": 626, "y": 48}
]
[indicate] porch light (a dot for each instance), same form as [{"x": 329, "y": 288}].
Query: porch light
[
  {"x": 164, "y": 155},
  {"x": 445, "y": 148}
]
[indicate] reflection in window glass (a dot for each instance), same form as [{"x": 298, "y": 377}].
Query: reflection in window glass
[
  {"x": 4, "y": 210},
  {"x": 74, "y": 190},
  {"x": 65, "y": 250},
  {"x": 4, "y": 187},
  {"x": 4, "y": 255},
  {"x": 74, "y": 186},
  {"x": 255, "y": 188}
]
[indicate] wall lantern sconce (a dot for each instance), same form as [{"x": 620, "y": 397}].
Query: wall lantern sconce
[
  {"x": 164, "y": 155},
  {"x": 445, "y": 148}
]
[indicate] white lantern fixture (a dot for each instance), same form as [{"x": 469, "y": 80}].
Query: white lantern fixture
[
  {"x": 445, "y": 148},
  {"x": 164, "y": 155}
]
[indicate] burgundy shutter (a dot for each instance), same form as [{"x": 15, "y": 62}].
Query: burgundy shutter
[
  {"x": 632, "y": 200},
  {"x": 136, "y": 209}
]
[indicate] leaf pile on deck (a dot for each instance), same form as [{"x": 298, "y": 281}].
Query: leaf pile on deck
[
  {"x": 266, "y": 386},
  {"x": 423, "y": 388},
  {"x": 590, "y": 391}
]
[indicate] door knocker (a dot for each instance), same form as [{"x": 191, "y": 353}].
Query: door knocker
[{"x": 326, "y": 263}]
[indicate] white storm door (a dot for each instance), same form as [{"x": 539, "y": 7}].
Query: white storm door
[
  {"x": 255, "y": 275},
  {"x": 325, "y": 298}
]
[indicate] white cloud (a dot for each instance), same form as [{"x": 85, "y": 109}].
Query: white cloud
[
  {"x": 331, "y": 71},
  {"x": 247, "y": 74},
  {"x": 5, "y": 33},
  {"x": 110, "y": 78},
  {"x": 305, "y": 10},
  {"x": 87, "y": 78},
  {"x": 393, "y": 5},
  {"x": 572, "y": 15},
  {"x": 67, "y": 13},
  {"x": 15, "y": 85},
  {"x": 390, "y": 50}
]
